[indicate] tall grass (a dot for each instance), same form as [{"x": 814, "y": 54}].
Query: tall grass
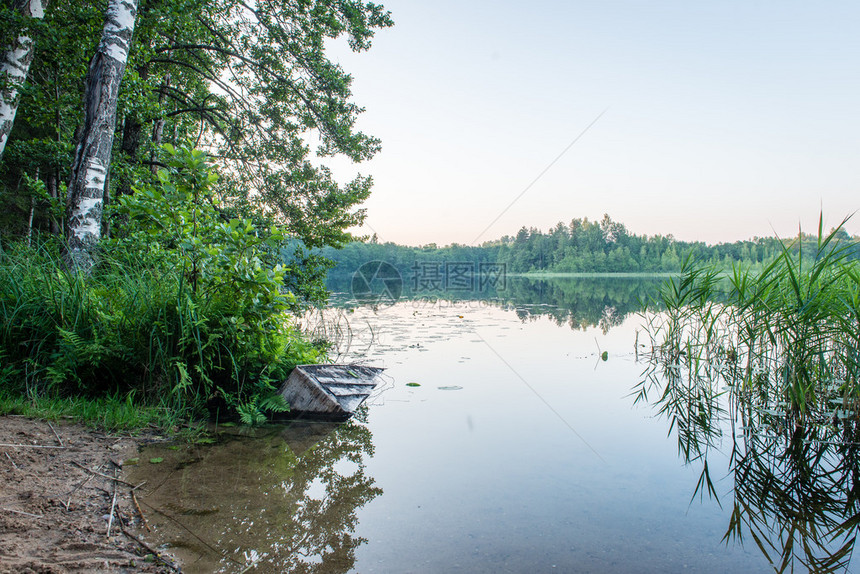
[
  {"x": 788, "y": 335},
  {"x": 112, "y": 412},
  {"x": 136, "y": 328}
]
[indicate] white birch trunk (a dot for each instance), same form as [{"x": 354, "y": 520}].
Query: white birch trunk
[
  {"x": 14, "y": 68},
  {"x": 84, "y": 202}
]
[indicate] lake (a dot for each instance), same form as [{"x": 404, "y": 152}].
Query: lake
[{"x": 505, "y": 438}]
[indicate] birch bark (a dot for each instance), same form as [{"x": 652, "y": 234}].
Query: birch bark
[
  {"x": 84, "y": 202},
  {"x": 14, "y": 68}
]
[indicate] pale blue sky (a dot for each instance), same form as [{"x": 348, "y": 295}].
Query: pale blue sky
[{"x": 724, "y": 120}]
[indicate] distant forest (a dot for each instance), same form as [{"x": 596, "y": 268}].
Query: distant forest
[{"x": 581, "y": 246}]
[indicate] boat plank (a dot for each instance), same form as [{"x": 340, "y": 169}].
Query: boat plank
[
  {"x": 347, "y": 390},
  {"x": 329, "y": 390}
]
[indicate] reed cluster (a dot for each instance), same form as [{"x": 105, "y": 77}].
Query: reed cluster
[
  {"x": 787, "y": 336},
  {"x": 768, "y": 359}
]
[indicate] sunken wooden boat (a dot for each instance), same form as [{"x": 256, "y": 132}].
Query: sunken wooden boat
[{"x": 328, "y": 392}]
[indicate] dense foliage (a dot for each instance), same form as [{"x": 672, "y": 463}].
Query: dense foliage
[
  {"x": 204, "y": 262},
  {"x": 250, "y": 84},
  {"x": 181, "y": 307}
]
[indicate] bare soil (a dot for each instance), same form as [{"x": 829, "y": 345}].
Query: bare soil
[{"x": 55, "y": 506}]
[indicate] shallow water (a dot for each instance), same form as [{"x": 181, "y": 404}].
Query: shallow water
[{"x": 521, "y": 451}]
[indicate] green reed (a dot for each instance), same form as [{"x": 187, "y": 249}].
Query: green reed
[
  {"x": 767, "y": 361},
  {"x": 787, "y": 336}
]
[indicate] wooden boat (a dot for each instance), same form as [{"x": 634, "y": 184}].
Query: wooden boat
[{"x": 330, "y": 392}]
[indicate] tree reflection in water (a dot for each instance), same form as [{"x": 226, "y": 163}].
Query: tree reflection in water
[
  {"x": 578, "y": 302},
  {"x": 796, "y": 482},
  {"x": 287, "y": 504}
]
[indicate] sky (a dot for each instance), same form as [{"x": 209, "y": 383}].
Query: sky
[{"x": 711, "y": 121}]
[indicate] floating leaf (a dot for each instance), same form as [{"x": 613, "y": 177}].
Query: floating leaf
[
  {"x": 413, "y": 385},
  {"x": 156, "y": 460}
]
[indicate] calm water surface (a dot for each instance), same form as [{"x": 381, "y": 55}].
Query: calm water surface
[{"x": 521, "y": 451}]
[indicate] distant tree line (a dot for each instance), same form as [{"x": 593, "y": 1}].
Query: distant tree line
[{"x": 581, "y": 246}]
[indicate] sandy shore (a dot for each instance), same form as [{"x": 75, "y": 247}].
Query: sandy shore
[{"x": 57, "y": 498}]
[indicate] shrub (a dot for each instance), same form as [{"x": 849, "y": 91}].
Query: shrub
[{"x": 183, "y": 306}]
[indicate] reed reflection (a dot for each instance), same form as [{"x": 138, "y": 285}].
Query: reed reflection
[{"x": 795, "y": 479}]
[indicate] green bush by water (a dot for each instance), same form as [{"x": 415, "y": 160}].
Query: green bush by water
[{"x": 184, "y": 308}]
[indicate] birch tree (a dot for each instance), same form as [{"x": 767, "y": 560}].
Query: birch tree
[
  {"x": 15, "y": 66},
  {"x": 251, "y": 83},
  {"x": 84, "y": 202}
]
